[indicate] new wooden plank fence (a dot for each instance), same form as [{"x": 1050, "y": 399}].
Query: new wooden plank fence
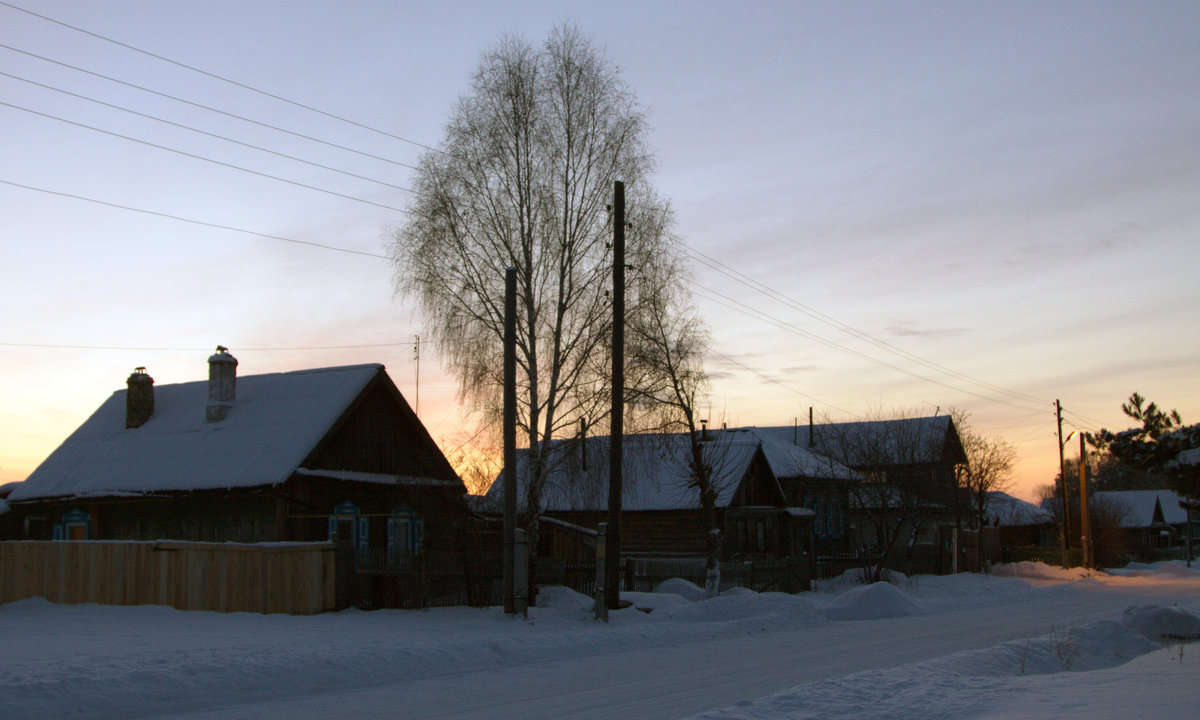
[{"x": 297, "y": 579}]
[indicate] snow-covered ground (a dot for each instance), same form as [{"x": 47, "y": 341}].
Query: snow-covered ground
[{"x": 1027, "y": 641}]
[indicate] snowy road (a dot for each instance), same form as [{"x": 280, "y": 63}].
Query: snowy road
[{"x": 681, "y": 679}]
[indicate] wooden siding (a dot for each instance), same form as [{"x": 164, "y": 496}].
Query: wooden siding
[
  {"x": 293, "y": 579},
  {"x": 379, "y": 433},
  {"x": 650, "y": 531}
]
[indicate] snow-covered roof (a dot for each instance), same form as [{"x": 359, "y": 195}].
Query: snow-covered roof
[
  {"x": 275, "y": 422},
  {"x": 873, "y": 442},
  {"x": 7, "y": 488},
  {"x": 1188, "y": 457},
  {"x": 1011, "y": 511},
  {"x": 654, "y": 470},
  {"x": 789, "y": 460},
  {"x": 1141, "y": 504}
]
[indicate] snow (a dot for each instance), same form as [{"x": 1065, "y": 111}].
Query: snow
[
  {"x": 1028, "y": 641},
  {"x": 1141, "y": 505},
  {"x": 655, "y": 468},
  {"x": 378, "y": 478},
  {"x": 274, "y": 423},
  {"x": 1007, "y": 511},
  {"x": 867, "y": 602}
]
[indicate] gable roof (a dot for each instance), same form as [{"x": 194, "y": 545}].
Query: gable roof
[
  {"x": 876, "y": 443},
  {"x": 792, "y": 461},
  {"x": 275, "y": 422},
  {"x": 1141, "y": 505},
  {"x": 654, "y": 470},
  {"x": 1008, "y": 511}
]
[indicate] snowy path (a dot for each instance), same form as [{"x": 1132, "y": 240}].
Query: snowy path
[{"x": 685, "y": 678}]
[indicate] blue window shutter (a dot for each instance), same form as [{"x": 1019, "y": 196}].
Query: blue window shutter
[
  {"x": 364, "y": 537},
  {"x": 58, "y": 532}
]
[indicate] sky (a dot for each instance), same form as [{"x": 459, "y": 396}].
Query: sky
[{"x": 889, "y": 206}]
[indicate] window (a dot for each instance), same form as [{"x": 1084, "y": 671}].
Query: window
[{"x": 74, "y": 526}]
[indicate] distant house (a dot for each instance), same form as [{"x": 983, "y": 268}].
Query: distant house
[
  {"x": 905, "y": 472},
  {"x": 1020, "y": 523},
  {"x": 1151, "y": 519},
  {"x": 293, "y": 456},
  {"x": 661, "y": 513}
]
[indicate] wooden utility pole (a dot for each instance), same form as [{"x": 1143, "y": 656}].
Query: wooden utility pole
[
  {"x": 1062, "y": 490},
  {"x": 1085, "y": 525},
  {"x": 615, "y": 479},
  {"x": 510, "y": 439}
]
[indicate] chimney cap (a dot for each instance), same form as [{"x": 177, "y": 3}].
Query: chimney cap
[{"x": 222, "y": 356}]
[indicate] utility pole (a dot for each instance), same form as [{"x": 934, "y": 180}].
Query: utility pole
[
  {"x": 1085, "y": 526},
  {"x": 1062, "y": 490},
  {"x": 612, "y": 580},
  {"x": 510, "y": 440}
]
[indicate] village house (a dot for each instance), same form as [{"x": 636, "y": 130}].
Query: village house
[
  {"x": 905, "y": 487},
  {"x": 293, "y": 456},
  {"x": 1152, "y": 522}
]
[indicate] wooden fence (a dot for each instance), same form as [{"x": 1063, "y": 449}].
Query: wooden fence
[{"x": 298, "y": 579}]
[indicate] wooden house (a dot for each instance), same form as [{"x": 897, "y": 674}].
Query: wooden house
[
  {"x": 905, "y": 478},
  {"x": 294, "y": 456},
  {"x": 662, "y": 515},
  {"x": 1150, "y": 521}
]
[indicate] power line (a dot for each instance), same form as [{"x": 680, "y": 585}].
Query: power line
[
  {"x": 206, "y": 133},
  {"x": 202, "y": 223},
  {"x": 205, "y": 159},
  {"x": 206, "y": 73},
  {"x": 784, "y": 325},
  {"x": 711, "y": 262},
  {"x": 45, "y": 346},
  {"x": 773, "y": 381},
  {"x": 206, "y": 107},
  {"x": 763, "y": 289}
]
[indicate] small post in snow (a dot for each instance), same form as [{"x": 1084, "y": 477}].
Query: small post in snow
[{"x": 601, "y": 607}]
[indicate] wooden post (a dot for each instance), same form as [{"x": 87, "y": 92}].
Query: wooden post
[
  {"x": 1085, "y": 524},
  {"x": 510, "y": 438},
  {"x": 612, "y": 578},
  {"x": 520, "y": 572},
  {"x": 601, "y": 606},
  {"x": 1062, "y": 491}
]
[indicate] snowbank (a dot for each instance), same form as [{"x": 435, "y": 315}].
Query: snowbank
[
  {"x": 867, "y": 602},
  {"x": 1041, "y": 571},
  {"x": 93, "y": 661}
]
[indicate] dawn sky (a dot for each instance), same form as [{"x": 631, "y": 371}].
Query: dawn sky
[{"x": 983, "y": 206}]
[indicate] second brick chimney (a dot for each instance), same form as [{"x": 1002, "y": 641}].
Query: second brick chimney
[
  {"x": 139, "y": 399},
  {"x": 222, "y": 384}
]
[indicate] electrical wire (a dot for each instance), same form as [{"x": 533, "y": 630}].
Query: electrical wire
[
  {"x": 202, "y": 223},
  {"x": 201, "y": 157},
  {"x": 221, "y": 78},
  {"x": 206, "y": 133},
  {"x": 769, "y": 292},
  {"x": 207, "y": 107}
]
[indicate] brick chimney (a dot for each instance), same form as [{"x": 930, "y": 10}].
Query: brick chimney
[
  {"x": 222, "y": 384},
  {"x": 139, "y": 399}
]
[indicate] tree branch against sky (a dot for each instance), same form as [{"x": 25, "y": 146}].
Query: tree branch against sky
[{"x": 525, "y": 178}]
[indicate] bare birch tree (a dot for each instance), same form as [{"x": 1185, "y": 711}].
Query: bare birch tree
[
  {"x": 989, "y": 469},
  {"x": 524, "y": 178},
  {"x": 666, "y": 344}
]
